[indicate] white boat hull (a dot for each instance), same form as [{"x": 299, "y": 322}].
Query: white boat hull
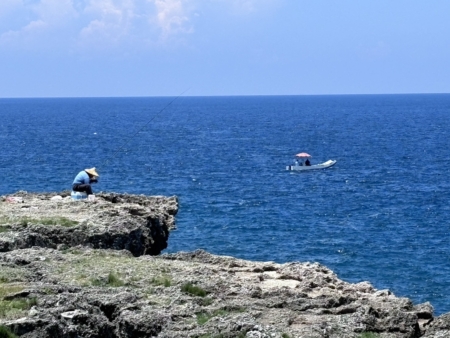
[{"x": 323, "y": 165}]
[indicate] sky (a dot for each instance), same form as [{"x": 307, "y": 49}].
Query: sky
[{"x": 116, "y": 48}]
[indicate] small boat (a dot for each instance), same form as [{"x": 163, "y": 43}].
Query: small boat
[{"x": 305, "y": 164}]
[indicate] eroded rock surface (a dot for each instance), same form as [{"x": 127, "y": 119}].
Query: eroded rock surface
[
  {"x": 138, "y": 223},
  {"x": 83, "y": 292},
  {"x": 89, "y": 274}
]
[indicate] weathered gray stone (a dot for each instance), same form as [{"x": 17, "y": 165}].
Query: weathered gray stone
[
  {"x": 94, "y": 279},
  {"x": 439, "y": 327},
  {"x": 76, "y": 298},
  {"x": 140, "y": 224}
]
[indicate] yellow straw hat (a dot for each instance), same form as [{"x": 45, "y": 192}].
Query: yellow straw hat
[{"x": 92, "y": 172}]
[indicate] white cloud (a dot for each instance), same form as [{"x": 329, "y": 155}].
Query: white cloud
[
  {"x": 110, "y": 21},
  {"x": 133, "y": 22},
  {"x": 56, "y": 12},
  {"x": 25, "y": 35},
  {"x": 105, "y": 23},
  {"x": 98, "y": 22},
  {"x": 31, "y": 22},
  {"x": 239, "y": 7},
  {"x": 172, "y": 17}
]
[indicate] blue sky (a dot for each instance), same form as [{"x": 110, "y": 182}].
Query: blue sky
[{"x": 89, "y": 48}]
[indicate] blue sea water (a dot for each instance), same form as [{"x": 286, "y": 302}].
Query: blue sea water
[{"x": 381, "y": 214}]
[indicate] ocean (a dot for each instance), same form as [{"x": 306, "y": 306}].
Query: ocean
[{"x": 381, "y": 214}]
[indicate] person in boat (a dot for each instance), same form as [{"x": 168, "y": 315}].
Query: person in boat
[
  {"x": 84, "y": 179},
  {"x": 307, "y": 163},
  {"x": 296, "y": 162}
]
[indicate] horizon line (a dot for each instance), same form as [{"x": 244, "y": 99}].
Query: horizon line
[{"x": 238, "y": 95}]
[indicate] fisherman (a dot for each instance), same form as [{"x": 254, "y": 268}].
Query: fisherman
[
  {"x": 307, "y": 163},
  {"x": 84, "y": 179}
]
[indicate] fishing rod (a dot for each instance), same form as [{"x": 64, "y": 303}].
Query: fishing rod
[
  {"x": 107, "y": 161},
  {"x": 42, "y": 159}
]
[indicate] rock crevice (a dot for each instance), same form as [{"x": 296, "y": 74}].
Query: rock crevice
[
  {"x": 139, "y": 224},
  {"x": 81, "y": 269}
]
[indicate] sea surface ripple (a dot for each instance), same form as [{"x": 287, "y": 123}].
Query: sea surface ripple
[{"x": 381, "y": 214}]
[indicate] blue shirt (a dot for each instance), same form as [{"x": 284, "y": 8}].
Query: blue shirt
[{"x": 81, "y": 178}]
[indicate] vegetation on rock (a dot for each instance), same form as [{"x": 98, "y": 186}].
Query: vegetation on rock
[
  {"x": 25, "y": 221},
  {"x": 14, "y": 307},
  {"x": 97, "y": 278},
  {"x": 369, "y": 335},
  {"x": 6, "y": 333},
  {"x": 193, "y": 290}
]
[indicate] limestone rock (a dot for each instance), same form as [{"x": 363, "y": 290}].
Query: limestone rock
[
  {"x": 439, "y": 327},
  {"x": 140, "y": 224},
  {"x": 82, "y": 292},
  {"x": 91, "y": 269}
]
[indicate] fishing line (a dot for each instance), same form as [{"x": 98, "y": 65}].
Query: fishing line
[
  {"x": 42, "y": 159},
  {"x": 121, "y": 148}
]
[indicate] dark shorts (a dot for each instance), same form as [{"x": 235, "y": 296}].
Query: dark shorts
[{"x": 82, "y": 188}]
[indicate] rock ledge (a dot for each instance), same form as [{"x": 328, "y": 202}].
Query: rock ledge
[
  {"x": 137, "y": 223},
  {"x": 92, "y": 274}
]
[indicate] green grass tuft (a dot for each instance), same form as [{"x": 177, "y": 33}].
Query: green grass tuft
[
  {"x": 9, "y": 289},
  {"x": 203, "y": 317},
  {"x": 25, "y": 221},
  {"x": 369, "y": 335},
  {"x": 63, "y": 221},
  {"x": 242, "y": 334},
  {"x": 11, "y": 308},
  {"x": 96, "y": 282},
  {"x": 114, "y": 280},
  {"x": 10, "y": 275},
  {"x": 193, "y": 290},
  {"x": 162, "y": 280},
  {"x": 205, "y": 301},
  {"x": 6, "y": 332}
]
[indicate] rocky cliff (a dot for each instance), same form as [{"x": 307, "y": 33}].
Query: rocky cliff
[
  {"x": 139, "y": 224},
  {"x": 86, "y": 269}
]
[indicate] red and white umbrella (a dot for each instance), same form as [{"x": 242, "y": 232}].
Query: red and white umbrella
[{"x": 303, "y": 155}]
